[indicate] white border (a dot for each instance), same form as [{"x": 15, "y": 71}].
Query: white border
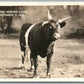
[
  {"x": 25, "y": 3},
  {"x": 44, "y": 80}
]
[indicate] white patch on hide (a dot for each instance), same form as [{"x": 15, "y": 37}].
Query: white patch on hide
[
  {"x": 45, "y": 23},
  {"x": 26, "y": 40},
  {"x": 57, "y": 35},
  {"x": 27, "y": 34}
]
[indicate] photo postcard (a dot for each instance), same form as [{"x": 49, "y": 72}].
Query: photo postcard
[{"x": 41, "y": 40}]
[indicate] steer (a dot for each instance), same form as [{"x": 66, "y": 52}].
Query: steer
[{"x": 39, "y": 38}]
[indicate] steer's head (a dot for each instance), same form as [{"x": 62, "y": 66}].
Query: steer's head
[{"x": 52, "y": 27}]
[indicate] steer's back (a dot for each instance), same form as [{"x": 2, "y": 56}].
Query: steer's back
[{"x": 22, "y": 35}]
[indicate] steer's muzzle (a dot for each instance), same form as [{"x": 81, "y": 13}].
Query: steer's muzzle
[{"x": 56, "y": 36}]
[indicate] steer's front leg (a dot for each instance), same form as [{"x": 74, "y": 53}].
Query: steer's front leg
[
  {"x": 49, "y": 55},
  {"x": 48, "y": 64}
]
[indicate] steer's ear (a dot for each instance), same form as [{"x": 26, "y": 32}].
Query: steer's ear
[{"x": 62, "y": 24}]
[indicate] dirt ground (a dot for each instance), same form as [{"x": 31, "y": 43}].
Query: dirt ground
[{"x": 67, "y": 60}]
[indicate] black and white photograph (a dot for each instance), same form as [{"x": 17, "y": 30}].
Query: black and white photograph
[{"x": 41, "y": 41}]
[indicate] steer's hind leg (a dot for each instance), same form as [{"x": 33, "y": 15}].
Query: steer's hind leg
[
  {"x": 23, "y": 57},
  {"x": 35, "y": 65},
  {"x": 32, "y": 62}
]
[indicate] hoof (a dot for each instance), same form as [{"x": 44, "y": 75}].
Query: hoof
[
  {"x": 22, "y": 66},
  {"x": 29, "y": 69},
  {"x": 48, "y": 75},
  {"x": 35, "y": 76},
  {"x": 32, "y": 67}
]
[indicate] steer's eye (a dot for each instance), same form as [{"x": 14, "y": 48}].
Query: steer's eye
[
  {"x": 50, "y": 27},
  {"x": 56, "y": 25}
]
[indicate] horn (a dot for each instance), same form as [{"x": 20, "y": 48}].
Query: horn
[
  {"x": 49, "y": 15},
  {"x": 61, "y": 20}
]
